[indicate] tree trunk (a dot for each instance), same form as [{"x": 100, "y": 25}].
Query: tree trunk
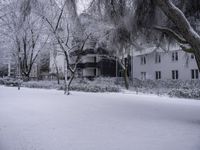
[
  {"x": 57, "y": 75},
  {"x": 71, "y": 79},
  {"x": 25, "y": 76},
  {"x": 126, "y": 80},
  {"x": 184, "y": 27},
  {"x": 58, "y": 80},
  {"x": 66, "y": 88},
  {"x": 66, "y": 85},
  {"x": 124, "y": 66},
  {"x": 18, "y": 84},
  {"x": 197, "y": 57}
]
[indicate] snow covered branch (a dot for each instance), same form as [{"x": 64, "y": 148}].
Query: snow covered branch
[{"x": 171, "y": 33}]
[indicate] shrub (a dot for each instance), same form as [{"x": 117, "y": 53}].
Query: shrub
[
  {"x": 41, "y": 84},
  {"x": 94, "y": 88},
  {"x": 10, "y": 81},
  {"x": 77, "y": 85},
  {"x": 185, "y": 93},
  {"x": 173, "y": 88},
  {"x": 97, "y": 85},
  {"x": 1, "y": 81}
]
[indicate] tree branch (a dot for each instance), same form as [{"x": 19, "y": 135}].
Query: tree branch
[
  {"x": 171, "y": 33},
  {"x": 187, "y": 49},
  {"x": 60, "y": 15}
]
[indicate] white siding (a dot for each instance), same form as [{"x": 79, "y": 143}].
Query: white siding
[
  {"x": 165, "y": 66},
  {"x": 89, "y": 71},
  {"x": 89, "y": 59}
]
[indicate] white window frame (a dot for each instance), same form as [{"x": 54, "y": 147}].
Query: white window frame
[
  {"x": 194, "y": 74},
  {"x": 158, "y": 75},
  {"x": 157, "y": 58},
  {"x": 143, "y": 75},
  {"x": 174, "y": 56},
  {"x": 175, "y": 74},
  {"x": 143, "y": 60}
]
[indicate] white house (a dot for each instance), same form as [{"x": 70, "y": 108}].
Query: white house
[
  {"x": 158, "y": 64},
  {"x": 92, "y": 64}
]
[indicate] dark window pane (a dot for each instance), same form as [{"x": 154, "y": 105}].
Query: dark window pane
[
  {"x": 197, "y": 74},
  {"x": 192, "y": 74},
  {"x": 173, "y": 76},
  {"x": 176, "y": 74},
  {"x": 176, "y": 55},
  {"x": 95, "y": 72}
]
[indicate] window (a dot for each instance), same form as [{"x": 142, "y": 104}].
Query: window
[
  {"x": 143, "y": 75},
  {"x": 95, "y": 59},
  {"x": 143, "y": 60},
  {"x": 95, "y": 72},
  {"x": 174, "y": 74},
  {"x": 194, "y": 74},
  {"x": 175, "y": 56},
  {"x": 157, "y": 58},
  {"x": 158, "y": 75}
]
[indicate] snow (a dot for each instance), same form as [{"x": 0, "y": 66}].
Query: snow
[{"x": 33, "y": 119}]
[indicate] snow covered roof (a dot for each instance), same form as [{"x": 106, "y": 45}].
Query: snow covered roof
[{"x": 151, "y": 49}]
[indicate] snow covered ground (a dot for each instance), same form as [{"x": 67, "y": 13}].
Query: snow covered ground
[{"x": 33, "y": 119}]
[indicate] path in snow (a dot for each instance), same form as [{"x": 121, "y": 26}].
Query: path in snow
[{"x": 33, "y": 119}]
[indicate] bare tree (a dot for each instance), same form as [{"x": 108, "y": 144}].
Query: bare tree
[
  {"x": 71, "y": 45},
  {"x": 26, "y": 31}
]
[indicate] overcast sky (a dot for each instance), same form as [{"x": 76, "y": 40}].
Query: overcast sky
[{"x": 82, "y": 4}]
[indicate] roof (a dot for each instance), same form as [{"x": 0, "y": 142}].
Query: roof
[{"x": 151, "y": 49}]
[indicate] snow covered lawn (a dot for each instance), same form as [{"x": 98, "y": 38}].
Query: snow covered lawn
[{"x": 33, "y": 119}]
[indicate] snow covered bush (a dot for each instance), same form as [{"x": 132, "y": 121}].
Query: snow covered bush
[
  {"x": 9, "y": 81},
  {"x": 1, "y": 81},
  {"x": 94, "y": 88},
  {"x": 185, "y": 93},
  {"x": 41, "y": 84},
  {"x": 98, "y": 85},
  {"x": 173, "y": 88}
]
